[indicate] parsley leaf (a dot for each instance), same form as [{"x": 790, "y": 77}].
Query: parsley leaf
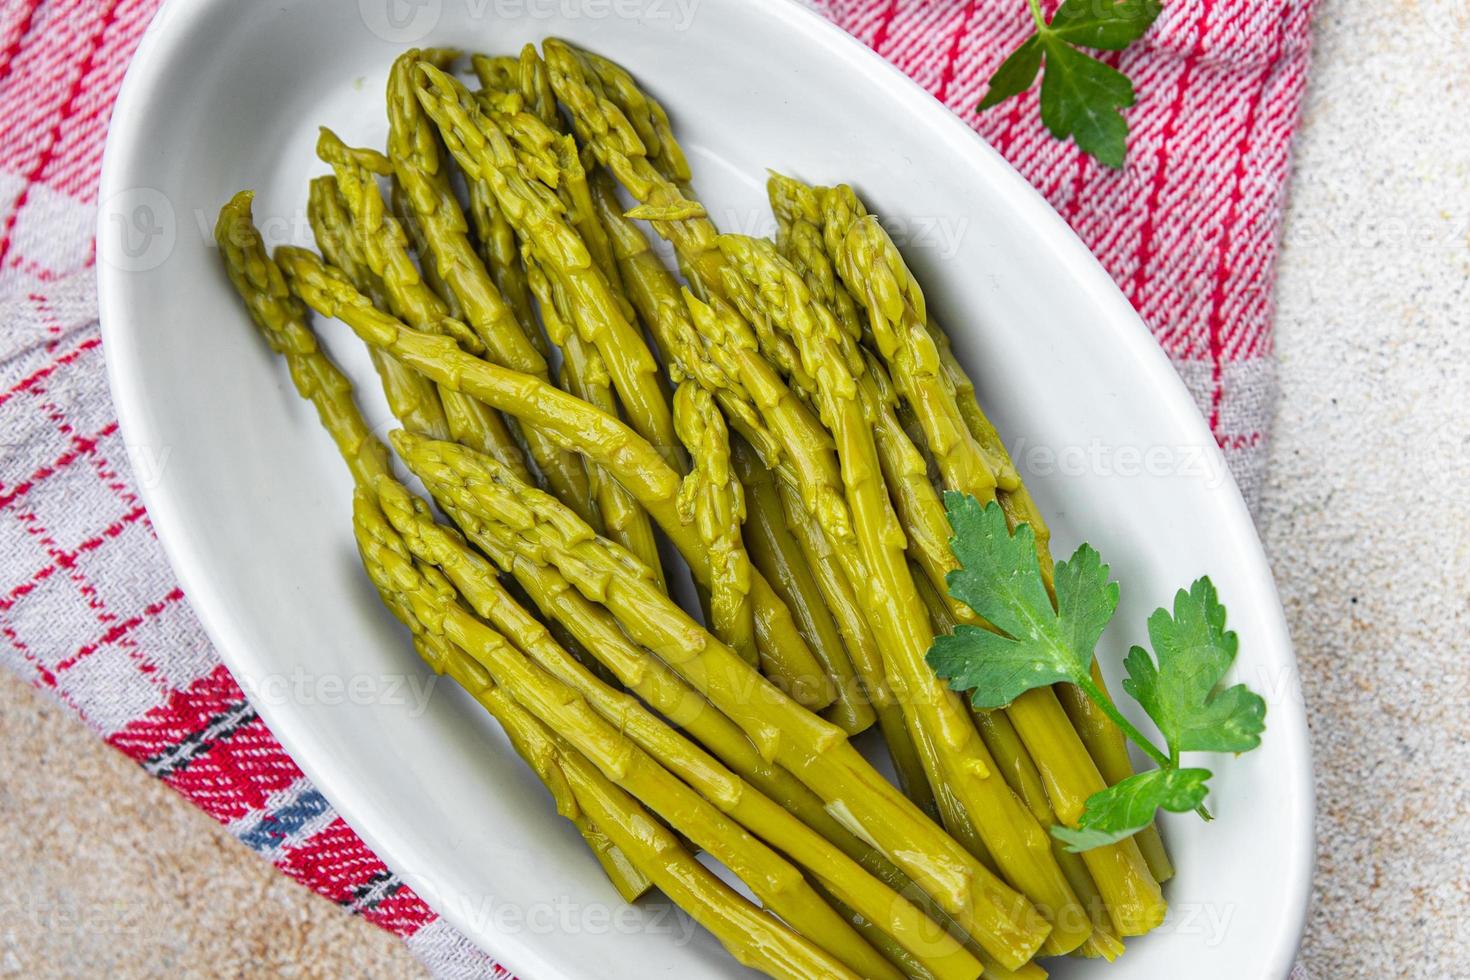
[
  {"x": 1122, "y": 810},
  {"x": 1015, "y": 74},
  {"x": 1081, "y": 97},
  {"x": 999, "y": 577},
  {"x": 1179, "y": 692},
  {"x": 1033, "y": 643},
  {"x": 1109, "y": 25}
]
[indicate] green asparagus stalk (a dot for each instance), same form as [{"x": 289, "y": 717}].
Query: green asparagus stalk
[
  {"x": 615, "y": 142},
  {"x": 1022, "y": 776},
  {"x": 584, "y": 374},
  {"x": 282, "y": 320},
  {"x": 814, "y": 750},
  {"x": 776, "y": 882},
  {"x": 713, "y": 501},
  {"x": 481, "y": 146},
  {"x": 426, "y": 184},
  {"x": 1104, "y": 741},
  {"x": 969, "y": 460},
  {"x": 769, "y": 287},
  {"x": 383, "y": 245},
  {"x": 576, "y": 425},
  {"x": 777, "y": 554},
  {"x": 530, "y": 740},
  {"x": 413, "y": 398},
  {"x": 475, "y": 579},
  {"x": 471, "y": 652}
]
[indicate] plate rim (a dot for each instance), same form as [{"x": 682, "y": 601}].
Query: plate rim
[{"x": 146, "y": 71}]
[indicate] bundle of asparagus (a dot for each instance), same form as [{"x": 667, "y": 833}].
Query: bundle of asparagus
[{"x": 787, "y": 420}]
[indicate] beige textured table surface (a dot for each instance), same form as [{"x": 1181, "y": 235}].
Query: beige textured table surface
[{"x": 1366, "y": 517}]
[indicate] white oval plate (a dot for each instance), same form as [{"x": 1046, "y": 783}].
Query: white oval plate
[{"x": 253, "y": 506}]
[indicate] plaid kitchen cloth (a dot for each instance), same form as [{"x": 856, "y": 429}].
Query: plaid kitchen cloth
[{"x": 89, "y": 609}]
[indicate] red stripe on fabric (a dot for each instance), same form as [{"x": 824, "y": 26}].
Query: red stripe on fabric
[
  {"x": 27, "y": 587},
  {"x": 958, "y": 35},
  {"x": 238, "y": 775},
  {"x": 1214, "y": 324},
  {"x": 7, "y": 58},
  {"x": 68, "y": 559},
  {"x": 1145, "y": 249},
  {"x": 48, "y": 152},
  {"x": 1239, "y": 441},
  {"x": 122, "y": 629},
  {"x": 336, "y": 864},
  {"x": 30, "y": 381},
  {"x": 184, "y": 712},
  {"x": 403, "y": 913},
  {"x": 43, "y": 674},
  {"x": 885, "y": 22},
  {"x": 80, "y": 447}
]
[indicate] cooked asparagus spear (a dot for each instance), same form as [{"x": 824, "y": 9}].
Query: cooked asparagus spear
[
  {"x": 584, "y": 371},
  {"x": 814, "y": 750},
  {"x": 767, "y": 286},
  {"x": 387, "y": 252},
  {"x": 480, "y": 145},
  {"x": 713, "y": 501},
  {"x": 478, "y": 658},
  {"x": 413, "y": 398},
  {"x": 613, "y": 139},
  {"x": 777, "y": 554},
  {"x": 475, "y": 579},
  {"x": 584, "y": 374},
  {"x": 864, "y": 254},
  {"x": 282, "y": 320},
  {"x": 606, "y": 440},
  {"x": 1022, "y": 776},
  {"x": 777, "y": 883}
]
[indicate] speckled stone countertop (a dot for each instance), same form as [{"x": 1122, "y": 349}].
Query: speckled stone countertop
[
  {"x": 1366, "y": 513},
  {"x": 1366, "y": 517}
]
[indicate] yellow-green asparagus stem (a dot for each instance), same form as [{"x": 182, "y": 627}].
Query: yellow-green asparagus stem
[
  {"x": 412, "y": 398},
  {"x": 584, "y": 369},
  {"x": 531, "y": 741},
  {"x": 475, "y": 579},
  {"x": 1021, "y": 775},
  {"x": 653, "y": 681},
  {"x": 584, "y": 374},
  {"x": 1105, "y": 743},
  {"x": 712, "y": 499},
  {"x": 814, "y": 750},
  {"x": 970, "y": 457},
  {"x": 862, "y": 649},
  {"x": 281, "y": 319},
  {"x": 1108, "y": 749},
  {"x": 576, "y": 425},
  {"x": 779, "y": 557},
  {"x": 769, "y": 287},
  {"x": 778, "y": 884},
  {"x": 642, "y": 842},
  {"x": 481, "y": 146},
  {"x": 614, "y": 140},
  {"x": 384, "y": 248}
]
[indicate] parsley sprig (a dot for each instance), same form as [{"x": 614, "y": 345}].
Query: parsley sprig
[
  {"x": 1080, "y": 95},
  {"x": 1178, "y": 685}
]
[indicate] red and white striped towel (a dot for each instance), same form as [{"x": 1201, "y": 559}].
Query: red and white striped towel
[{"x": 88, "y": 607}]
